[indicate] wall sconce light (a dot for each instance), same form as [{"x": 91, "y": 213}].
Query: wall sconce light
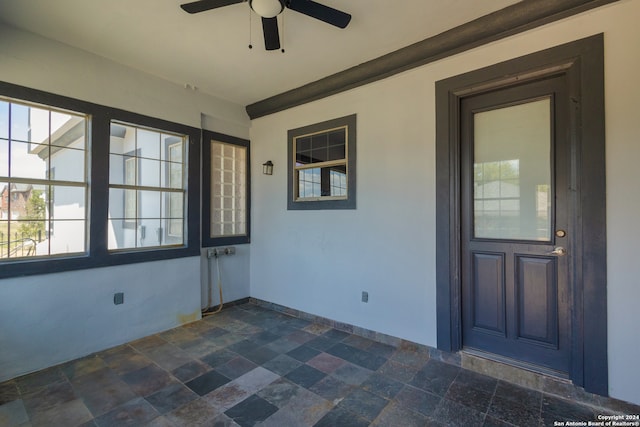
[{"x": 267, "y": 167}]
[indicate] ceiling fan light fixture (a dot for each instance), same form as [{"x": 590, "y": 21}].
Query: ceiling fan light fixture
[{"x": 267, "y": 8}]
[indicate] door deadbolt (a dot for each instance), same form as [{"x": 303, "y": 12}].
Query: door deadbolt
[{"x": 561, "y": 233}]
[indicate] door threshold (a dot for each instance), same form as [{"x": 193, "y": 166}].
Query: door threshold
[
  {"x": 511, "y": 370},
  {"x": 536, "y": 369}
]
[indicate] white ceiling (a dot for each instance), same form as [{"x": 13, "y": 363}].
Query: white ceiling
[{"x": 210, "y": 50}]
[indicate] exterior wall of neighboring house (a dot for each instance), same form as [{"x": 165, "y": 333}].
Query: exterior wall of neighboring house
[
  {"x": 122, "y": 233},
  {"x": 48, "y": 319},
  {"x": 64, "y": 236},
  {"x": 14, "y": 197},
  {"x": 321, "y": 261}
]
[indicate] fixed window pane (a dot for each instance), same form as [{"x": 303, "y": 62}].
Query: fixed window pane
[
  {"x": 148, "y": 142},
  {"x": 149, "y": 173},
  {"x": 322, "y": 147},
  {"x": 171, "y": 174},
  {"x": 173, "y": 205},
  {"x": 68, "y": 130},
  {"x": 24, "y": 238},
  {"x": 116, "y": 210},
  {"x": 116, "y": 169},
  {"x": 28, "y": 160},
  {"x": 122, "y": 139},
  {"x": 309, "y": 183},
  {"x": 67, "y": 202},
  {"x": 322, "y": 182},
  {"x": 150, "y": 233},
  {"x": 60, "y": 160},
  {"x": 66, "y": 236},
  {"x": 121, "y": 234},
  {"x": 172, "y": 215},
  {"x": 4, "y": 157},
  {"x": 149, "y": 204},
  {"x": 4, "y": 238},
  {"x": 338, "y": 181},
  {"x": 123, "y": 204},
  {"x": 175, "y": 227},
  {"x": 29, "y": 223},
  {"x": 22, "y": 116},
  {"x": 4, "y": 119},
  {"x": 174, "y": 149},
  {"x": 171, "y": 168},
  {"x": 130, "y": 204}
]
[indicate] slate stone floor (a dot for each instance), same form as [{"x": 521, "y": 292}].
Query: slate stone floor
[{"x": 250, "y": 366}]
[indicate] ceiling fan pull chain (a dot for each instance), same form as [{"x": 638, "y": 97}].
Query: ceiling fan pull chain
[
  {"x": 283, "y": 33},
  {"x": 250, "y": 38}
]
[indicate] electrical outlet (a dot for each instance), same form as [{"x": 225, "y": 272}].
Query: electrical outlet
[
  {"x": 118, "y": 298},
  {"x": 365, "y": 296}
]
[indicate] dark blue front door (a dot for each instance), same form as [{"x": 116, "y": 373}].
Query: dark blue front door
[{"x": 515, "y": 224}]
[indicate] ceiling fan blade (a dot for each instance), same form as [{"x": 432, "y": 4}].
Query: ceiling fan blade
[
  {"x": 271, "y": 35},
  {"x": 203, "y": 5},
  {"x": 319, "y": 11}
]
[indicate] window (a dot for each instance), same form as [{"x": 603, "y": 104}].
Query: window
[
  {"x": 81, "y": 187},
  {"x": 322, "y": 165},
  {"x": 226, "y": 182},
  {"x": 146, "y": 187},
  {"x": 35, "y": 140}
]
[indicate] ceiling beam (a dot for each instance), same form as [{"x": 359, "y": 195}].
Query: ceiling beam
[{"x": 511, "y": 20}]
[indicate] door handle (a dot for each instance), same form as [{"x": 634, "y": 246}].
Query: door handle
[{"x": 560, "y": 251}]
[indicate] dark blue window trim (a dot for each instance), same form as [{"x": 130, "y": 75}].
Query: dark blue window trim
[
  {"x": 98, "y": 255},
  {"x": 207, "y": 240}
]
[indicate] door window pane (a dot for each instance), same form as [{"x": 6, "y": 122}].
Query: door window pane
[{"x": 512, "y": 172}]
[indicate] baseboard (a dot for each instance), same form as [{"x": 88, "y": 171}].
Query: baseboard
[{"x": 227, "y": 305}]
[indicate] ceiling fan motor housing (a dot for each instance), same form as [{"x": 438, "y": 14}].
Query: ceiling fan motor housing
[{"x": 267, "y": 8}]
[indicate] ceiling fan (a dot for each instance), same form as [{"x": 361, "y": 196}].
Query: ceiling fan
[{"x": 270, "y": 9}]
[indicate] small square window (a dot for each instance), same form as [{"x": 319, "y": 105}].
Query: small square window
[{"x": 322, "y": 165}]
